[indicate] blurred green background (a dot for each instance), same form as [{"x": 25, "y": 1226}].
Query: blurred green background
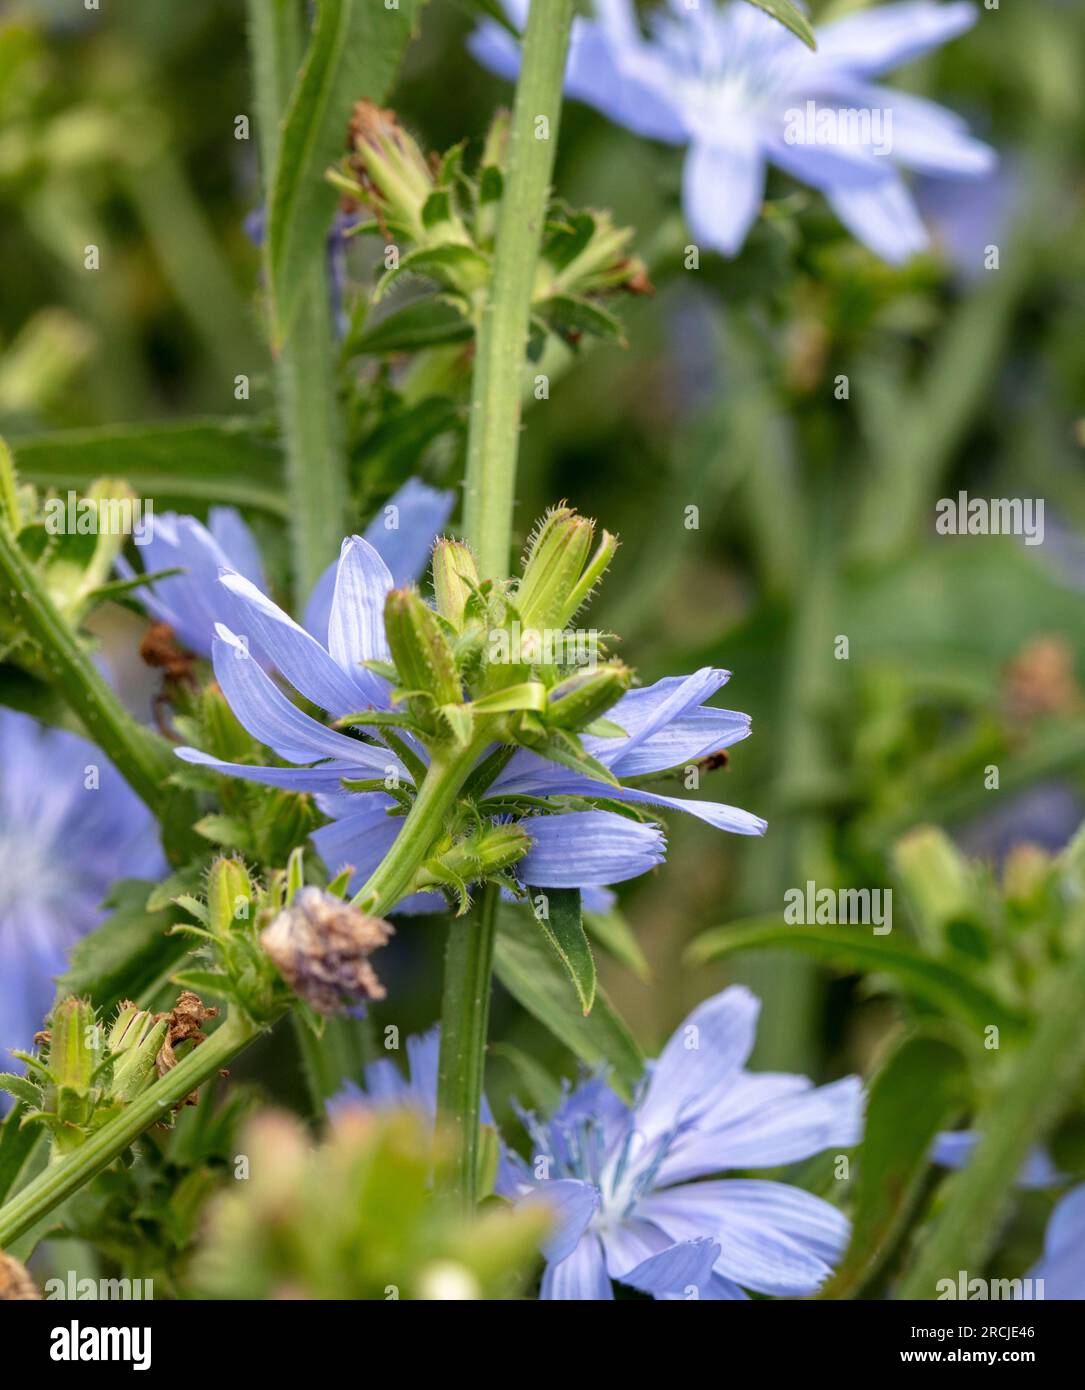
[{"x": 815, "y": 515}]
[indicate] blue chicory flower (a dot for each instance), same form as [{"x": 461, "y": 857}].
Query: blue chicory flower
[
  {"x": 632, "y": 1200},
  {"x": 386, "y": 1086},
  {"x": 70, "y": 827},
  {"x": 403, "y": 532},
  {"x": 666, "y": 725},
  {"x": 742, "y": 92}
]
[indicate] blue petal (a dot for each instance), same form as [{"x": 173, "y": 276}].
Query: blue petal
[
  {"x": 326, "y": 777},
  {"x": 571, "y": 1205},
  {"x": 237, "y": 543},
  {"x": 1062, "y": 1266},
  {"x": 581, "y": 1275},
  {"x": 774, "y": 1238},
  {"x": 750, "y": 1127},
  {"x": 308, "y": 667},
  {"x": 358, "y": 841},
  {"x": 588, "y": 849},
  {"x": 698, "y": 1062},
  {"x": 714, "y": 813},
  {"x": 723, "y": 187},
  {"x": 888, "y": 35},
  {"x": 954, "y": 1149},
  {"x": 356, "y": 622},
  {"x": 270, "y": 717},
  {"x": 404, "y": 530},
  {"x": 680, "y": 1271},
  {"x": 883, "y": 216}
]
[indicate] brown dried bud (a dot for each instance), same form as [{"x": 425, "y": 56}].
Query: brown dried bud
[
  {"x": 16, "y": 1284},
  {"x": 321, "y": 946},
  {"x": 184, "y": 1024}
]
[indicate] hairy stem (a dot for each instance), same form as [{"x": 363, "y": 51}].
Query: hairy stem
[
  {"x": 465, "y": 1016},
  {"x": 68, "y": 1174},
  {"x": 493, "y": 439},
  {"x": 305, "y": 368},
  {"x": 141, "y": 757}
]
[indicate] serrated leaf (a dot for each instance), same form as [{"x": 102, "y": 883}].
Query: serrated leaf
[
  {"x": 915, "y": 1094},
  {"x": 19, "y": 1087},
  {"x": 562, "y": 925},
  {"x": 429, "y": 322},
  {"x": 460, "y": 721},
  {"x": 849, "y": 948},
  {"x": 566, "y": 313},
  {"x": 785, "y": 13},
  {"x": 456, "y": 266},
  {"x": 354, "y": 51},
  {"x": 528, "y": 968}
]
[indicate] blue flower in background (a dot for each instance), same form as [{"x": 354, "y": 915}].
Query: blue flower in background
[
  {"x": 1062, "y": 1265},
  {"x": 403, "y": 532},
  {"x": 632, "y": 1201},
  {"x": 742, "y": 92},
  {"x": 70, "y": 827},
  {"x": 666, "y": 725},
  {"x": 954, "y": 1149},
  {"x": 386, "y": 1086}
]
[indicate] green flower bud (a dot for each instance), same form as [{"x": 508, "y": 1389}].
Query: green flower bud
[
  {"x": 476, "y": 857},
  {"x": 75, "y": 1042},
  {"x": 423, "y": 657},
  {"x": 586, "y": 695},
  {"x": 229, "y": 895},
  {"x": 455, "y": 577},
  {"x": 558, "y": 576},
  {"x": 134, "y": 1061},
  {"x": 395, "y": 176}
]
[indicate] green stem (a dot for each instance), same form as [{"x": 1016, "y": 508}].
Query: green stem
[
  {"x": 502, "y": 332},
  {"x": 1025, "y": 1108},
  {"x": 59, "y": 1180},
  {"x": 141, "y": 758},
  {"x": 306, "y": 369},
  {"x": 393, "y": 878},
  {"x": 465, "y": 1014}
]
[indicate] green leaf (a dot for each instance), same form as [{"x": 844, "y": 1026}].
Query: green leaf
[
  {"x": 846, "y": 948},
  {"x": 19, "y": 1087},
  {"x": 354, "y": 51},
  {"x": 566, "y": 313},
  {"x": 543, "y": 1092},
  {"x": 615, "y": 935},
  {"x": 129, "y": 955},
  {"x": 426, "y": 323},
  {"x": 227, "y": 460},
  {"x": 790, "y": 17},
  {"x": 527, "y": 967},
  {"x": 916, "y": 1094},
  {"x": 17, "y": 1151},
  {"x": 224, "y": 830},
  {"x": 456, "y": 266},
  {"x": 563, "y": 927},
  {"x": 527, "y": 695}
]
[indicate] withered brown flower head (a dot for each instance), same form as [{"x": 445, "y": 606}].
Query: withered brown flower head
[
  {"x": 16, "y": 1284},
  {"x": 321, "y": 947}
]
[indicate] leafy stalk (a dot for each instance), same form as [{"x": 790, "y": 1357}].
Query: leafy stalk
[
  {"x": 492, "y": 447},
  {"x": 141, "y": 757},
  {"x": 68, "y": 1174},
  {"x": 1035, "y": 1090},
  {"x": 465, "y": 1015},
  {"x": 502, "y": 332},
  {"x": 305, "y": 365}
]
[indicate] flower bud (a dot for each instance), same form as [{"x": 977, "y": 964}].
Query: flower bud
[
  {"x": 558, "y": 576},
  {"x": 74, "y": 1045},
  {"x": 229, "y": 895},
  {"x": 421, "y": 651},
  {"x": 321, "y": 947},
  {"x": 586, "y": 695},
  {"x": 480, "y": 855},
  {"x": 393, "y": 170},
  {"x": 139, "y": 1041},
  {"x": 455, "y": 577}
]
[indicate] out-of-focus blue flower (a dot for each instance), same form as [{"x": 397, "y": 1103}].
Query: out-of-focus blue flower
[
  {"x": 386, "y": 1086},
  {"x": 742, "y": 92},
  {"x": 403, "y": 532},
  {"x": 632, "y": 1201},
  {"x": 1062, "y": 1265},
  {"x": 954, "y": 1149},
  {"x": 666, "y": 725},
  {"x": 70, "y": 827}
]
